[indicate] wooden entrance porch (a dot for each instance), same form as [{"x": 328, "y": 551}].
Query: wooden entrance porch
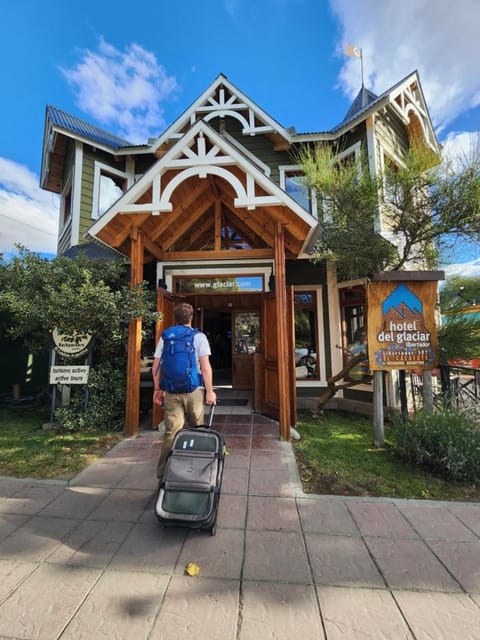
[{"x": 204, "y": 201}]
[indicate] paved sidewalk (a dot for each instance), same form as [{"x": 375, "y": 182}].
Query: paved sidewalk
[{"x": 88, "y": 560}]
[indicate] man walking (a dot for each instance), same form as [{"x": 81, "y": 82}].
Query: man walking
[{"x": 183, "y": 400}]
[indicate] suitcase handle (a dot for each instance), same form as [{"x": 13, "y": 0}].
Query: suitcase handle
[{"x": 210, "y": 415}]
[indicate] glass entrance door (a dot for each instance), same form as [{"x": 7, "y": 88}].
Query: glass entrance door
[{"x": 245, "y": 342}]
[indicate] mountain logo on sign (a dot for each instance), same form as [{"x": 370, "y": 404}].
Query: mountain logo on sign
[{"x": 402, "y": 302}]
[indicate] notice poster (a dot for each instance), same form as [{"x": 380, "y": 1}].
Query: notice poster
[{"x": 402, "y": 331}]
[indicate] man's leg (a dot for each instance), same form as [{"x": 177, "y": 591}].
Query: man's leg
[
  {"x": 195, "y": 407},
  {"x": 174, "y": 419}
]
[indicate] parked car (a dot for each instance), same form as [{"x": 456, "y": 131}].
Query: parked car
[{"x": 306, "y": 358}]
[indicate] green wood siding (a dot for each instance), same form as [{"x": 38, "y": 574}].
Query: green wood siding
[
  {"x": 391, "y": 139},
  {"x": 65, "y": 233},
  {"x": 65, "y": 239},
  {"x": 391, "y": 135},
  {"x": 306, "y": 272},
  {"x": 90, "y": 156},
  {"x": 359, "y": 134},
  {"x": 86, "y": 197},
  {"x": 261, "y": 147}
]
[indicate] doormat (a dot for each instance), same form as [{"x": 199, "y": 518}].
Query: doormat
[{"x": 232, "y": 402}]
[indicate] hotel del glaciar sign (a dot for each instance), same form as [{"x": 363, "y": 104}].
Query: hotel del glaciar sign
[{"x": 402, "y": 332}]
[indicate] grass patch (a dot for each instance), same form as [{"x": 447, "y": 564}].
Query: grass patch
[
  {"x": 28, "y": 451},
  {"x": 336, "y": 456}
]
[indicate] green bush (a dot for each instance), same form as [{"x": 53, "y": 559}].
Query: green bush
[
  {"x": 446, "y": 441},
  {"x": 106, "y": 401}
]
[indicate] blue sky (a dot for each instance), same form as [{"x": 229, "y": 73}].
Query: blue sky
[{"x": 132, "y": 69}]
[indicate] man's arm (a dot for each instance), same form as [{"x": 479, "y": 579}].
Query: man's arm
[
  {"x": 207, "y": 375},
  {"x": 158, "y": 394}
]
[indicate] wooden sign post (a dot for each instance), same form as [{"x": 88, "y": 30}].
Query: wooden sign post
[{"x": 402, "y": 331}]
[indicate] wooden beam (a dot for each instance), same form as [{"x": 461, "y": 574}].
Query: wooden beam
[
  {"x": 132, "y": 404},
  {"x": 244, "y": 229},
  {"x": 282, "y": 332},
  {"x": 120, "y": 227},
  {"x": 182, "y": 224},
  {"x": 152, "y": 248},
  {"x": 202, "y": 230},
  {"x": 217, "y": 255},
  {"x": 257, "y": 223},
  {"x": 218, "y": 225}
]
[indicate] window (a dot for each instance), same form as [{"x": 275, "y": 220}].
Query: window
[
  {"x": 246, "y": 332},
  {"x": 353, "y": 312},
  {"x": 231, "y": 240},
  {"x": 306, "y": 342},
  {"x": 109, "y": 186},
  {"x": 66, "y": 204},
  {"x": 292, "y": 180},
  {"x": 392, "y": 191}
]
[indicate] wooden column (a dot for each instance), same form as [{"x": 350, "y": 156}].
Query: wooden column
[
  {"x": 282, "y": 333},
  {"x": 427, "y": 390},
  {"x": 132, "y": 405},
  {"x": 378, "y": 422}
]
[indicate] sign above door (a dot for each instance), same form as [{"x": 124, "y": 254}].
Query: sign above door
[{"x": 219, "y": 284}]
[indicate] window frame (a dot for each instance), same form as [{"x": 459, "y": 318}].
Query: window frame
[
  {"x": 100, "y": 169},
  {"x": 67, "y": 196},
  {"x": 347, "y": 333},
  {"x": 320, "y": 379},
  {"x": 288, "y": 170}
]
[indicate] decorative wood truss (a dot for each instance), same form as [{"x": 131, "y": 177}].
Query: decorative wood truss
[
  {"x": 204, "y": 198},
  {"x": 220, "y": 100},
  {"x": 409, "y": 103}
]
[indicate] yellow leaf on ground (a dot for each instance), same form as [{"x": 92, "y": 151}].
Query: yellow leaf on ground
[{"x": 192, "y": 569}]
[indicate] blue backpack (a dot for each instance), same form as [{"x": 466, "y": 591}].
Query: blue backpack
[{"x": 179, "y": 363}]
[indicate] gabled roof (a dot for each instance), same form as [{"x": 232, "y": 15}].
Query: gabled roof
[
  {"x": 222, "y": 98},
  {"x": 216, "y": 172},
  {"x": 59, "y": 119},
  {"x": 406, "y": 98},
  {"x": 60, "y": 127}
]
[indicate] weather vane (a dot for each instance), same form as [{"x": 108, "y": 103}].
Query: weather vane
[{"x": 355, "y": 52}]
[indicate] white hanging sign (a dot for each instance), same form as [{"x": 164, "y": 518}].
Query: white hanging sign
[
  {"x": 72, "y": 346},
  {"x": 61, "y": 374}
]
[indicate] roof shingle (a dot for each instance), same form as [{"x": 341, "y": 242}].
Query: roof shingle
[{"x": 81, "y": 128}]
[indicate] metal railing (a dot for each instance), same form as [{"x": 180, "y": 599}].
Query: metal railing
[{"x": 459, "y": 386}]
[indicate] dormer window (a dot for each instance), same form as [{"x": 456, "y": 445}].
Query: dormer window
[
  {"x": 109, "y": 185},
  {"x": 66, "y": 204},
  {"x": 292, "y": 180}
]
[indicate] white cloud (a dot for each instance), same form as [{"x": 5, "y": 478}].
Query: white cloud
[
  {"x": 465, "y": 270},
  {"x": 123, "y": 89},
  {"x": 28, "y": 215},
  {"x": 461, "y": 145},
  {"x": 438, "y": 38}
]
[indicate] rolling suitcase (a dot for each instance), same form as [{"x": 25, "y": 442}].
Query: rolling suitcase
[{"x": 189, "y": 492}]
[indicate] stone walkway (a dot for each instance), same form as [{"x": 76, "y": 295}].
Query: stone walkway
[{"x": 88, "y": 560}]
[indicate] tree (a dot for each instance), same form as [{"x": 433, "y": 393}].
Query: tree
[
  {"x": 347, "y": 199},
  {"x": 422, "y": 207},
  {"x": 459, "y": 335},
  {"x": 459, "y": 292},
  {"x": 77, "y": 296},
  {"x": 424, "y": 204}
]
